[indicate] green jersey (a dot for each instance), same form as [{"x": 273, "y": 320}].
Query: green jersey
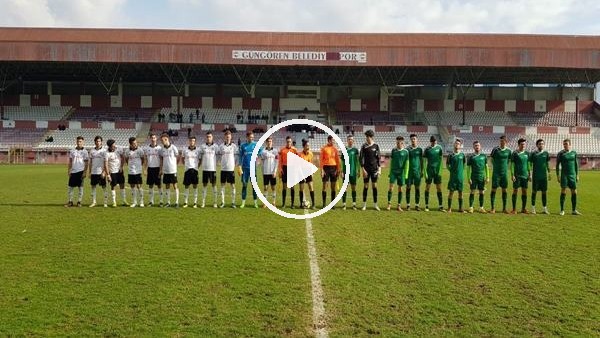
[
  {"x": 415, "y": 157},
  {"x": 353, "y": 159},
  {"x": 434, "y": 156},
  {"x": 477, "y": 165},
  {"x": 520, "y": 164},
  {"x": 400, "y": 161},
  {"x": 539, "y": 161},
  {"x": 567, "y": 161},
  {"x": 500, "y": 160},
  {"x": 456, "y": 164}
]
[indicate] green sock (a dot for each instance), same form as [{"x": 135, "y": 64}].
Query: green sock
[
  {"x": 562, "y": 201},
  {"x": 504, "y": 199},
  {"x": 533, "y": 196},
  {"x": 399, "y": 197},
  {"x": 427, "y": 198},
  {"x": 389, "y": 196},
  {"x": 449, "y": 203},
  {"x": 417, "y": 196},
  {"x": 407, "y": 196},
  {"x": 523, "y": 202},
  {"x": 574, "y": 201},
  {"x": 514, "y": 201},
  {"x": 544, "y": 199},
  {"x": 481, "y": 200},
  {"x": 493, "y": 199},
  {"x": 460, "y": 203},
  {"x": 471, "y": 199}
]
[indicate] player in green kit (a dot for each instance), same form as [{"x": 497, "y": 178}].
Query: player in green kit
[
  {"x": 478, "y": 174},
  {"x": 434, "y": 156},
  {"x": 399, "y": 166},
  {"x": 415, "y": 172},
  {"x": 354, "y": 170},
  {"x": 540, "y": 176},
  {"x": 500, "y": 160},
  {"x": 521, "y": 175},
  {"x": 567, "y": 173},
  {"x": 455, "y": 163}
]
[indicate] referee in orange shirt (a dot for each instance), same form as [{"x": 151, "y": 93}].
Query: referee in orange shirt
[
  {"x": 330, "y": 168},
  {"x": 283, "y": 152}
]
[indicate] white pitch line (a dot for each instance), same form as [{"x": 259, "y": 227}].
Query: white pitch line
[{"x": 319, "y": 319}]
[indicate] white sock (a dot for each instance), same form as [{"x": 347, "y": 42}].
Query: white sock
[
  {"x": 233, "y": 195},
  {"x": 94, "y": 194},
  {"x": 105, "y": 196},
  {"x": 214, "y": 194},
  {"x": 196, "y": 195},
  {"x": 186, "y": 194},
  {"x": 203, "y": 195},
  {"x": 274, "y": 197},
  {"x": 114, "y": 196},
  {"x": 168, "y": 196},
  {"x": 134, "y": 194},
  {"x": 70, "y": 194},
  {"x": 176, "y": 195},
  {"x": 80, "y": 194},
  {"x": 141, "y": 194},
  {"x": 151, "y": 195},
  {"x": 223, "y": 194},
  {"x": 160, "y": 194},
  {"x": 123, "y": 195}
]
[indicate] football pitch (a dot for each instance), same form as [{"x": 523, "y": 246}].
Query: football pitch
[{"x": 245, "y": 272}]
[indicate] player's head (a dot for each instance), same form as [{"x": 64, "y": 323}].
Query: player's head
[
  {"x": 98, "y": 141},
  {"x": 209, "y": 137},
  {"x": 350, "y": 140},
  {"x": 330, "y": 140},
  {"x": 133, "y": 142},
  {"x": 305, "y": 145},
  {"x": 521, "y": 143},
  {"x": 457, "y": 144},
  {"x": 540, "y": 144},
  {"x": 192, "y": 141},
  {"x": 400, "y": 142},
  {"x": 567, "y": 144},
  {"x": 502, "y": 141},
  {"x": 153, "y": 139},
  {"x": 477, "y": 146},
  {"x": 369, "y": 134},
  {"x": 289, "y": 142},
  {"x": 164, "y": 138},
  {"x": 111, "y": 145},
  {"x": 432, "y": 140},
  {"x": 227, "y": 136},
  {"x": 413, "y": 140},
  {"x": 269, "y": 142},
  {"x": 79, "y": 141},
  {"x": 249, "y": 136}
]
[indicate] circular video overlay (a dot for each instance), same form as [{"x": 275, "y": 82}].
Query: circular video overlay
[{"x": 262, "y": 140}]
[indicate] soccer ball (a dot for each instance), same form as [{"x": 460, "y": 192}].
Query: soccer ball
[{"x": 306, "y": 204}]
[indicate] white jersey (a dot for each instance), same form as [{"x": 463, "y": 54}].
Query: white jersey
[
  {"x": 113, "y": 160},
  {"x": 191, "y": 158},
  {"x": 169, "y": 156},
  {"x": 97, "y": 156},
  {"x": 229, "y": 155},
  {"x": 153, "y": 156},
  {"x": 134, "y": 160},
  {"x": 209, "y": 156},
  {"x": 78, "y": 157},
  {"x": 269, "y": 159}
]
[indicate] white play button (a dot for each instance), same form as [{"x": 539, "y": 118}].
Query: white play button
[{"x": 298, "y": 169}]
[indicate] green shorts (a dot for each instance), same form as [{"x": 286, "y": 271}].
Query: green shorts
[
  {"x": 397, "y": 178},
  {"x": 539, "y": 185},
  {"x": 455, "y": 185},
  {"x": 521, "y": 182},
  {"x": 568, "y": 181},
  {"x": 499, "y": 181},
  {"x": 352, "y": 180},
  {"x": 477, "y": 184},
  {"x": 414, "y": 179},
  {"x": 433, "y": 177}
]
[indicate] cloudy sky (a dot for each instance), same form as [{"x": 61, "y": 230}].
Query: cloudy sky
[{"x": 469, "y": 16}]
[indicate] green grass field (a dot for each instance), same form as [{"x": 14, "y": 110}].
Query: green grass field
[{"x": 214, "y": 272}]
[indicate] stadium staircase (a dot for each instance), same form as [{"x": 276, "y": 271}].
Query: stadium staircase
[{"x": 144, "y": 131}]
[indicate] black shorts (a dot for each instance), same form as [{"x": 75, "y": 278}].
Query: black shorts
[
  {"x": 209, "y": 176},
  {"x": 134, "y": 179},
  {"x": 330, "y": 173},
  {"x": 153, "y": 177},
  {"x": 169, "y": 178},
  {"x": 76, "y": 179},
  {"x": 284, "y": 173},
  {"x": 371, "y": 176},
  {"x": 269, "y": 180},
  {"x": 308, "y": 179},
  {"x": 190, "y": 177},
  {"x": 116, "y": 178},
  {"x": 227, "y": 177},
  {"x": 98, "y": 180}
]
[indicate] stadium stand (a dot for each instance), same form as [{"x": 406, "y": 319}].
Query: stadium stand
[
  {"x": 33, "y": 113},
  {"x": 112, "y": 114},
  {"x": 218, "y": 115},
  {"x": 64, "y": 139},
  {"x": 24, "y": 138}
]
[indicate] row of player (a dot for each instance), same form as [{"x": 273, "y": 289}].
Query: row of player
[{"x": 408, "y": 166}]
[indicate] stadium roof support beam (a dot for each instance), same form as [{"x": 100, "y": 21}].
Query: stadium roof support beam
[
  {"x": 249, "y": 90},
  {"x": 112, "y": 75},
  {"x": 178, "y": 86}
]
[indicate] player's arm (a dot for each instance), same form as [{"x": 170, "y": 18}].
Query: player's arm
[
  {"x": 160, "y": 171},
  {"x": 469, "y": 170},
  {"x": 122, "y": 162},
  {"x": 406, "y": 167},
  {"x": 361, "y": 161},
  {"x": 69, "y": 165},
  {"x": 240, "y": 160},
  {"x": 322, "y": 158},
  {"x": 511, "y": 166},
  {"x": 106, "y": 167},
  {"x": 86, "y": 166},
  {"x": 338, "y": 162},
  {"x": 487, "y": 170},
  {"x": 422, "y": 161},
  {"x": 448, "y": 162},
  {"x": 576, "y": 168},
  {"x": 378, "y": 159},
  {"x": 425, "y": 162},
  {"x": 529, "y": 167},
  {"x": 558, "y": 159}
]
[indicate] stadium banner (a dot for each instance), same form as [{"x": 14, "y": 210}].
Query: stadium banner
[{"x": 359, "y": 57}]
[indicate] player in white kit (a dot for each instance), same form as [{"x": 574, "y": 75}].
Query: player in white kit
[
  {"x": 190, "y": 158},
  {"x": 113, "y": 165},
  {"x": 134, "y": 157},
  {"x": 152, "y": 153},
  {"x": 208, "y": 162},
  {"x": 269, "y": 158},
  {"x": 78, "y": 163},
  {"x": 97, "y": 173},
  {"x": 168, "y": 168},
  {"x": 228, "y": 153}
]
